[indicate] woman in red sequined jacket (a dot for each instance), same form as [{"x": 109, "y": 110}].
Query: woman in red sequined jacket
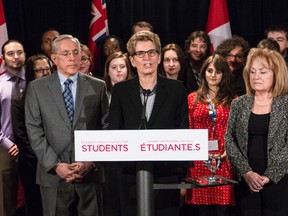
[{"x": 209, "y": 108}]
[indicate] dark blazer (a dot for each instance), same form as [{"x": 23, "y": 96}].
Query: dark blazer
[
  {"x": 170, "y": 109},
  {"x": 27, "y": 161},
  {"x": 49, "y": 129},
  {"x": 237, "y": 137}
]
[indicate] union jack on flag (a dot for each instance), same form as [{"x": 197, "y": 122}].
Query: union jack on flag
[{"x": 98, "y": 27}]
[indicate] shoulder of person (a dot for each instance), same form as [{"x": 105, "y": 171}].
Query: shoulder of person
[
  {"x": 40, "y": 81},
  {"x": 192, "y": 95},
  {"x": 126, "y": 83},
  {"x": 91, "y": 78},
  {"x": 170, "y": 82},
  {"x": 281, "y": 100},
  {"x": 4, "y": 77},
  {"x": 242, "y": 100}
]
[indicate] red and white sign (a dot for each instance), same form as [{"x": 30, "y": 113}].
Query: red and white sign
[
  {"x": 141, "y": 145},
  {"x": 218, "y": 24}
]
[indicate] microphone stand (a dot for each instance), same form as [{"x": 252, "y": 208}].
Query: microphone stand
[{"x": 144, "y": 176}]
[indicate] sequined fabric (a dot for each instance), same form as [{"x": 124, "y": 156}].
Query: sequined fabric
[{"x": 199, "y": 119}]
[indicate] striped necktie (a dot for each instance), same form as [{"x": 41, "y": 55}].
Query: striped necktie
[{"x": 68, "y": 99}]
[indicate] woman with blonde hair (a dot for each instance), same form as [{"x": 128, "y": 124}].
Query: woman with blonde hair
[{"x": 257, "y": 136}]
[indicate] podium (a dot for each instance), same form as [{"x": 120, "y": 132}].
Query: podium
[
  {"x": 143, "y": 146},
  {"x": 146, "y": 187}
]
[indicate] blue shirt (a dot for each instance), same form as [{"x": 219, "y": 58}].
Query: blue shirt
[{"x": 73, "y": 85}]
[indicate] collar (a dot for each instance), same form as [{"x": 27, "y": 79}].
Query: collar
[
  {"x": 63, "y": 78},
  {"x": 20, "y": 74}
]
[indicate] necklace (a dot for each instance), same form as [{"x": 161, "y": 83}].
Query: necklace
[{"x": 263, "y": 104}]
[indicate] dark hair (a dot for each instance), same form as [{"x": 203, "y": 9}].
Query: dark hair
[
  {"x": 106, "y": 77},
  {"x": 30, "y": 63},
  {"x": 277, "y": 28},
  {"x": 224, "y": 95},
  {"x": 203, "y": 36},
  {"x": 102, "y": 42},
  {"x": 180, "y": 56},
  {"x": 102, "y": 57},
  {"x": 269, "y": 44},
  {"x": 50, "y": 29},
  {"x": 86, "y": 49},
  {"x": 227, "y": 45},
  {"x": 8, "y": 42},
  {"x": 142, "y": 24}
]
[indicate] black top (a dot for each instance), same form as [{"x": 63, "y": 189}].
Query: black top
[{"x": 257, "y": 141}]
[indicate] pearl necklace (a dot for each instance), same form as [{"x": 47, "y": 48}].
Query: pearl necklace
[{"x": 262, "y": 104}]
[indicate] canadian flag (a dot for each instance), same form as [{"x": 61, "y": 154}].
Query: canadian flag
[
  {"x": 3, "y": 35},
  {"x": 98, "y": 27},
  {"x": 218, "y": 24}
]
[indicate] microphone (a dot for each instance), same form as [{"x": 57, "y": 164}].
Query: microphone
[{"x": 146, "y": 93}]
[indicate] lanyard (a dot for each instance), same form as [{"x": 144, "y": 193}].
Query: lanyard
[{"x": 212, "y": 113}]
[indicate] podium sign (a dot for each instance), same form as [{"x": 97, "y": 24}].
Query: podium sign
[{"x": 141, "y": 145}]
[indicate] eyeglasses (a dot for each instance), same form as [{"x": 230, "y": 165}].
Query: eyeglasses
[
  {"x": 84, "y": 59},
  {"x": 237, "y": 56},
  {"x": 151, "y": 53},
  {"x": 42, "y": 70},
  {"x": 173, "y": 60},
  {"x": 67, "y": 54}
]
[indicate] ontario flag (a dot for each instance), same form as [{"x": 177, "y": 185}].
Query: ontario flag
[
  {"x": 98, "y": 27},
  {"x": 218, "y": 24},
  {"x": 3, "y": 35}
]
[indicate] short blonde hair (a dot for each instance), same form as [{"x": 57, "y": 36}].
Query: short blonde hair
[
  {"x": 143, "y": 36},
  {"x": 275, "y": 62}
]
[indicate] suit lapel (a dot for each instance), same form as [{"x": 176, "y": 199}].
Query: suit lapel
[
  {"x": 275, "y": 115},
  {"x": 135, "y": 95},
  {"x": 244, "y": 119},
  {"x": 161, "y": 94},
  {"x": 54, "y": 87},
  {"x": 82, "y": 85}
]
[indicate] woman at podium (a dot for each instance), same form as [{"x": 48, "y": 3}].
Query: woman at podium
[{"x": 148, "y": 101}]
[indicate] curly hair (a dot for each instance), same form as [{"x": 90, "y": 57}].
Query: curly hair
[{"x": 203, "y": 36}]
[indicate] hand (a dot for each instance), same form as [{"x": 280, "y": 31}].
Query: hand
[
  {"x": 81, "y": 168},
  {"x": 254, "y": 181},
  {"x": 13, "y": 151},
  {"x": 266, "y": 180},
  {"x": 75, "y": 177},
  {"x": 63, "y": 170},
  {"x": 224, "y": 156}
]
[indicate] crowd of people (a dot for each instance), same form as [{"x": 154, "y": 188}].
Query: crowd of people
[{"x": 239, "y": 94}]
